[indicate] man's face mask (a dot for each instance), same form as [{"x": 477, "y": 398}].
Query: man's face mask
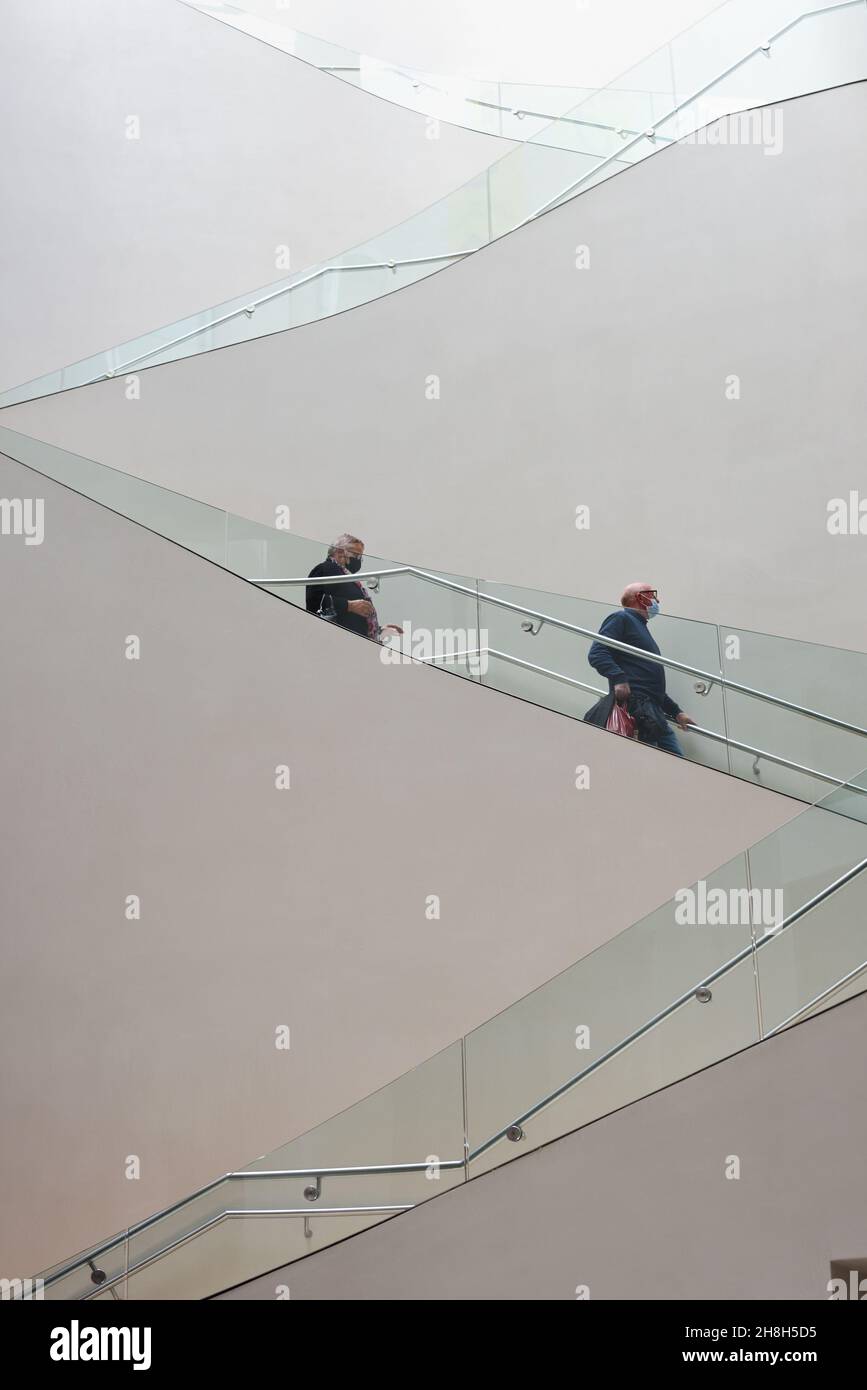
[
  {"x": 353, "y": 563},
  {"x": 652, "y": 609}
]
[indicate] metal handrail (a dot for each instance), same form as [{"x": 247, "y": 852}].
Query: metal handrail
[
  {"x": 519, "y": 112},
  {"x": 451, "y": 1164},
  {"x": 349, "y": 1172},
  {"x": 508, "y": 109},
  {"x": 818, "y": 999},
  {"x": 677, "y": 1004},
  {"x": 551, "y": 621},
  {"x": 567, "y": 117},
  {"x": 419, "y": 80},
  {"x": 250, "y": 308},
  {"x": 757, "y": 753},
  {"x": 472, "y": 1154},
  {"x": 651, "y": 132},
  {"x": 229, "y": 1215}
]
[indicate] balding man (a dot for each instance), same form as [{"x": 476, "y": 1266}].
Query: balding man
[{"x": 637, "y": 683}]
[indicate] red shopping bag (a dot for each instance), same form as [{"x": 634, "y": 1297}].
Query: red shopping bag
[{"x": 620, "y": 721}]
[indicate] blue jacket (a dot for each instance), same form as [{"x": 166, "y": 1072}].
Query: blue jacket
[{"x": 628, "y": 625}]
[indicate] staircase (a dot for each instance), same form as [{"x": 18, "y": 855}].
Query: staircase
[{"x": 768, "y": 939}]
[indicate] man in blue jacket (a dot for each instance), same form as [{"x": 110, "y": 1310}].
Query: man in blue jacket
[{"x": 630, "y": 675}]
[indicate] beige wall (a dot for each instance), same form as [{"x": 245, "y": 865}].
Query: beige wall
[
  {"x": 637, "y": 1205},
  {"x": 262, "y": 907},
  {"x": 559, "y": 387},
  {"x": 242, "y": 150}
]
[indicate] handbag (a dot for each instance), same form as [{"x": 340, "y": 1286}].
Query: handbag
[
  {"x": 620, "y": 721},
  {"x": 599, "y": 713},
  {"x": 649, "y": 718}
]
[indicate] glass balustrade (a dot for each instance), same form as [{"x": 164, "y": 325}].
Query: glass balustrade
[
  {"x": 731, "y": 49},
  {"x": 519, "y": 645},
  {"x": 738, "y": 732},
  {"x": 626, "y": 1019},
  {"x": 818, "y": 961},
  {"x": 743, "y": 55},
  {"x": 247, "y": 1224},
  {"x": 826, "y": 678},
  {"x": 762, "y": 942},
  {"x": 84, "y": 1275},
  {"x": 623, "y": 1021},
  {"x": 493, "y": 633},
  {"x": 512, "y": 109}
]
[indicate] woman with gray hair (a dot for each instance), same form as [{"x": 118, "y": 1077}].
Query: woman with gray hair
[{"x": 347, "y": 604}]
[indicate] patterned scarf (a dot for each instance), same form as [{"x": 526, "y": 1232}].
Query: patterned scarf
[{"x": 373, "y": 628}]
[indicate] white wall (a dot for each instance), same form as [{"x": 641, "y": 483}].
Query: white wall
[
  {"x": 242, "y": 150},
  {"x": 559, "y": 387},
  {"x": 156, "y": 1037}
]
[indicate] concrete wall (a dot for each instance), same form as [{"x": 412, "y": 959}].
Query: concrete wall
[
  {"x": 242, "y": 150},
  {"x": 607, "y": 387},
  {"x": 638, "y": 1204},
  {"x": 156, "y": 777}
]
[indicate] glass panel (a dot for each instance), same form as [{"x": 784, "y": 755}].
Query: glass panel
[
  {"x": 854, "y": 982},
  {"x": 693, "y": 1037},
  {"x": 829, "y": 942},
  {"x": 544, "y": 1040},
  {"x": 517, "y": 110},
  {"x": 827, "y": 678},
  {"x": 529, "y": 179},
  {"x": 608, "y": 124},
  {"x": 260, "y": 552},
  {"x": 417, "y": 1119},
  {"x": 821, "y": 678},
  {"x": 749, "y": 56},
  {"x": 532, "y": 113},
  {"x": 555, "y": 1034},
  {"x": 801, "y": 858},
  {"x": 809, "y": 958},
  {"x": 620, "y": 1023},
  {"x": 850, "y": 800},
  {"x": 547, "y": 665},
  {"x": 192, "y": 524},
  {"x": 239, "y": 1248},
  {"x": 438, "y": 625}
]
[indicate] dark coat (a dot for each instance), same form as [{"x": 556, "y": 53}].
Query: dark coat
[
  {"x": 644, "y": 677},
  {"x": 340, "y": 594}
]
